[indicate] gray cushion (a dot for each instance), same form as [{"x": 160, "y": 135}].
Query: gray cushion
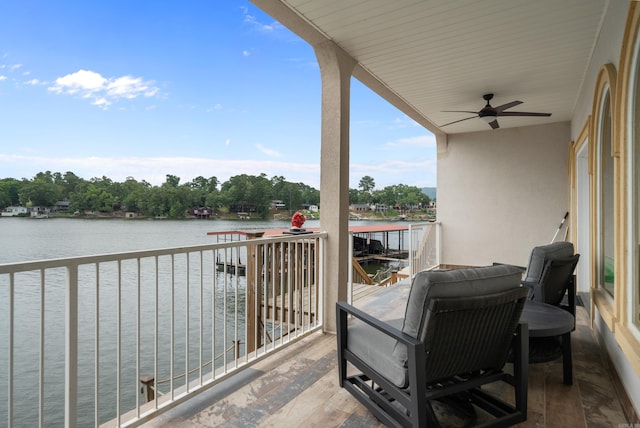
[
  {"x": 542, "y": 253},
  {"x": 454, "y": 283},
  {"x": 388, "y": 357},
  {"x": 376, "y": 349}
]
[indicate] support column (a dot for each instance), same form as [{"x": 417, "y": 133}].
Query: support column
[{"x": 335, "y": 68}]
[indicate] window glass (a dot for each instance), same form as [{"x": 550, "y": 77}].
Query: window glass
[
  {"x": 635, "y": 199},
  {"x": 606, "y": 199}
]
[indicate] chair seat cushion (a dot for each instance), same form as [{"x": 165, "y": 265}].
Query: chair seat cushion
[{"x": 376, "y": 350}]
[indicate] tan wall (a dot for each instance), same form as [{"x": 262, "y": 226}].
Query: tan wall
[{"x": 501, "y": 212}]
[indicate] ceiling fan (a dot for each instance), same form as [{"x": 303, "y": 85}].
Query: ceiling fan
[{"x": 490, "y": 114}]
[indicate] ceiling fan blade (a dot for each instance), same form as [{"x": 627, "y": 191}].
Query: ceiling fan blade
[
  {"x": 522, "y": 113},
  {"x": 459, "y": 111},
  {"x": 456, "y": 121},
  {"x": 503, "y": 107},
  {"x": 494, "y": 124}
]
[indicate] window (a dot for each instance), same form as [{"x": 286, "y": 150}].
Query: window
[
  {"x": 634, "y": 177},
  {"x": 606, "y": 199}
]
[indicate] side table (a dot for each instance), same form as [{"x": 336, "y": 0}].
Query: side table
[{"x": 548, "y": 321}]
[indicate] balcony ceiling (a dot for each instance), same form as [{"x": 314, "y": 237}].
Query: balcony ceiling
[{"x": 445, "y": 54}]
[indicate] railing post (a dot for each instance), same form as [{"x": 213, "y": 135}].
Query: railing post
[
  {"x": 438, "y": 243},
  {"x": 412, "y": 244},
  {"x": 71, "y": 348},
  {"x": 254, "y": 258},
  {"x": 236, "y": 349},
  {"x": 147, "y": 387},
  {"x": 350, "y": 272}
]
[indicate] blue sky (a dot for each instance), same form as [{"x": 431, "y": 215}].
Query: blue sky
[{"x": 194, "y": 88}]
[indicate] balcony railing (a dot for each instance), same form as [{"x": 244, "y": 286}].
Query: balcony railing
[
  {"x": 132, "y": 334},
  {"x": 424, "y": 246}
]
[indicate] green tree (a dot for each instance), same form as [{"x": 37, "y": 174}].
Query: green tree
[
  {"x": 172, "y": 180},
  {"x": 260, "y": 195},
  {"x": 9, "y": 192},
  {"x": 366, "y": 185},
  {"x": 41, "y": 191}
]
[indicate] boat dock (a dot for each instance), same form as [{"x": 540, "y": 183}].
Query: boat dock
[{"x": 382, "y": 243}]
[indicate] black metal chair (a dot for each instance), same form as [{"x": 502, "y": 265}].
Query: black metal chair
[
  {"x": 458, "y": 330},
  {"x": 550, "y": 275},
  {"x": 551, "y": 280}
]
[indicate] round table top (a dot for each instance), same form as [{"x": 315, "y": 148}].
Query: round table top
[{"x": 546, "y": 320}]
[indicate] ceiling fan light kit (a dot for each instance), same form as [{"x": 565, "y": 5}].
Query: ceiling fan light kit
[{"x": 490, "y": 114}]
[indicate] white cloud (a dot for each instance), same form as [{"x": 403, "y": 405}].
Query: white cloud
[
  {"x": 418, "y": 141},
  {"x": 419, "y": 173},
  {"x": 101, "y": 90},
  {"x": 33, "y": 82},
  {"x": 154, "y": 170},
  {"x": 403, "y": 122},
  {"x": 268, "y": 152},
  {"x": 215, "y": 107},
  {"x": 261, "y": 27},
  {"x": 2, "y": 77},
  {"x": 226, "y": 143},
  {"x": 246, "y": 53}
]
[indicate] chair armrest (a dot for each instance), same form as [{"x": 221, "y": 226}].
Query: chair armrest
[
  {"x": 522, "y": 268},
  {"x": 531, "y": 286},
  {"x": 343, "y": 309}
]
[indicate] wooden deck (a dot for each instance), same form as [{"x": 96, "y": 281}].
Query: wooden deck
[{"x": 298, "y": 387}]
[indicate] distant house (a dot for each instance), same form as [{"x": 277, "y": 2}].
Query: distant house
[
  {"x": 14, "y": 211},
  {"x": 201, "y": 212},
  {"x": 278, "y": 205},
  {"x": 359, "y": 207},
  {"x": 40, "y": 212},
  {"x": 61, "y": 206},
  {"x": 381, "y": 208}
]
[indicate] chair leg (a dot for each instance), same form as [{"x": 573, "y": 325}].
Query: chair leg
[
  {"x": 521, "y": 368},
  {"x": 567, "y": 363},
  {"x": 341, "y": 322}
]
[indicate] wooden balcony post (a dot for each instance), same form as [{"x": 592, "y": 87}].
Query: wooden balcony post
[
  {"x": 148, "y": 391},
  {"x": 255, "y": 262}
]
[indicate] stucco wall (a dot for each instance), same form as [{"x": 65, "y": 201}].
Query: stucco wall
[
  {"x": 607, "y": 50},
  {"x": 493, "y": 201}
]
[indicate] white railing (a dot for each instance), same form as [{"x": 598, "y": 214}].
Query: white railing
[
  {"x": 178, "y": 320},
  {"x": 424, "y": 246}
]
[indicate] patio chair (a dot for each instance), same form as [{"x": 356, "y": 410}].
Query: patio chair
[
  {"x": 550, "y": 275},
  {"x": 550, "y": 279},
  {"x": 459, "y": 327}
]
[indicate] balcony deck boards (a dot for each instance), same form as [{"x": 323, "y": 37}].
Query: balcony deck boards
[{"x": 299, "y": 387}]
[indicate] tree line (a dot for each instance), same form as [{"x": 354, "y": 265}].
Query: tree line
[{"x": 241, "y": 193}]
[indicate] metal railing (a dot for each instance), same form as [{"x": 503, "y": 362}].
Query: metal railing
[
  {"x": 179, "y": 320},
  {"x": 424, "y": 246}
]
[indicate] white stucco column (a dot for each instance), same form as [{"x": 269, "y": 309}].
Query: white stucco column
[{"x": 335, "y": 68}]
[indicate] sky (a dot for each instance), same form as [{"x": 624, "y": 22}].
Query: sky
[{"x": 191, "y": 88}]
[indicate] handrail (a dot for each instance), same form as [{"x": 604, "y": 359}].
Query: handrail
[{"x": 151, "y": 310}]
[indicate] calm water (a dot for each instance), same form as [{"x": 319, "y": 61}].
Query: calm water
[{"x": 23, "y": 239}]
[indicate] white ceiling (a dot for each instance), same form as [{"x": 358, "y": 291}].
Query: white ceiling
[{"x": 445, "y": 54}]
